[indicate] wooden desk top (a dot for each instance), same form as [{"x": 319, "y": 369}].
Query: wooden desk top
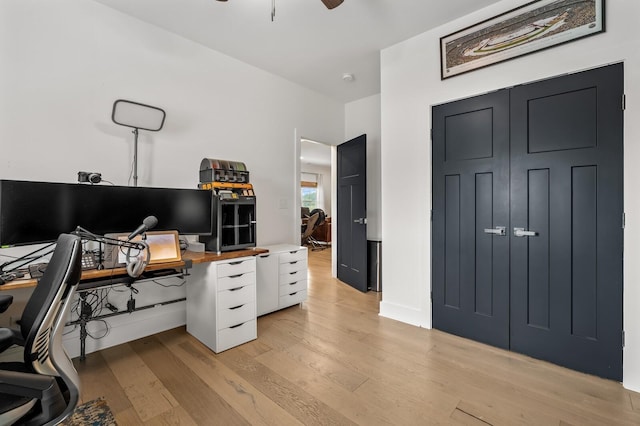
[{"x": 194, "y": 257}]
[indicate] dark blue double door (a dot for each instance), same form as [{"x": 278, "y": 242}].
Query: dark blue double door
[{"x": 527, "y": 219}]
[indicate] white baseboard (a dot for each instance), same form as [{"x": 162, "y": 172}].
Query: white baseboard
[
  {"x": 405, "y": 314},
  {"x": 126, "y": 327},
  {"x": 631, "y": 385}
]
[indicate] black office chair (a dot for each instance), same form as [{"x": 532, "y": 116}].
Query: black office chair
[
  {"x": 308, "y": 229},
  {"x": 312, "y": 225},
  {"x": 45, "y": 388},
  {"x": 304, "y": 212}
]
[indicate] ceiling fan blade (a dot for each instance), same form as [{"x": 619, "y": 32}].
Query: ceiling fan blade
[{"x": 332, "y": 3}]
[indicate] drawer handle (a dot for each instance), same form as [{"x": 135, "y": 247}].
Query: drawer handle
[
  {"x": 236, "y": 276},
  {"x": 236, "y": 307},
  {"x": 236, "y": 263},
  {"x": 236, "y": 289},
  {"x": 293, "y": 263},
  {"x": 293, "y": 294},
  {"x": 293, "y": 273},
  {"x": 265, "y": 255},
  {"x": 293, "y": 283},
  {"x": 293, "y": 252},
  {"x": 237, "y": 325}
]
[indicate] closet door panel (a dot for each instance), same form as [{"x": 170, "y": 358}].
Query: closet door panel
[
  {"x": 566, "y": 271},
  {"x": 470, "y": 204}
]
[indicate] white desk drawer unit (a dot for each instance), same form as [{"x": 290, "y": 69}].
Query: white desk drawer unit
[
  {"x": 221, "y": 305},
  {"x": 235, "y": 267},
  {"x": 292, "y": 287},
  {"x": 281, "y": 278},
  {"x": 293, "y": 267},
  {"x": 237, "y": 315}
]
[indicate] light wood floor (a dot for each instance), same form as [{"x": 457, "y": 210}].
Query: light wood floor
[{"x": 334, "y": 361}]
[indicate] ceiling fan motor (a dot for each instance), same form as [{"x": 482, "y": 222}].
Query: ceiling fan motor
[
  {"x": 329, "y": 3},
  {"x": 332, "y": 3}
]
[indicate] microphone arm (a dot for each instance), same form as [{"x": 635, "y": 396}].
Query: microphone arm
[
  {"x": 90, "y": 236},
  {"x": 28, "y": 258}
]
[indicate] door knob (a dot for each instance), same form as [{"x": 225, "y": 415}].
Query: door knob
[
  {"x": 521, "y": 232},
  {"x": 498, "y": 230},
  {"x": 360, "y": 220}
]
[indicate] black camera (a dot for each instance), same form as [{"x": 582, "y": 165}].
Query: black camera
[{"x": 90, "y": 177}]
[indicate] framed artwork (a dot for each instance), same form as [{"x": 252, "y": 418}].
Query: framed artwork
[{"x": 535, "y": 26}]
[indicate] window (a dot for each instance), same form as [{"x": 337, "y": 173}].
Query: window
[
  {"x": 309, "y": 190},
  {"x": 309, "y": 194}
]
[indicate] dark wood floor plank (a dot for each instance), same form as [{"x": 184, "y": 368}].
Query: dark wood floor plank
[
  {"x": 305, "y": 375},
  {"x": 128, "y": 417},
  {"x": 98, "y": 381},
  {"x": 634, "y": 399},
  {"x": 301, "y": 405},
  {"x": 201, "y": 402},
  {"x": 255, "y": 406},
  {"x": 148, "y": 396},
  {"x": 175, "y": 416}
]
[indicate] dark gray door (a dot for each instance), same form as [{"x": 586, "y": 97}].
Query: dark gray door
[
  {"x": 566, "y": 191},
  {"x": 352, "y": 208},
  {"x": 563, "y": 254},
  {"x": 471, "y": 218}
]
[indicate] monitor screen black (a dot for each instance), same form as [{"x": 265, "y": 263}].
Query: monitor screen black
[{"x": 34, "y": 212}]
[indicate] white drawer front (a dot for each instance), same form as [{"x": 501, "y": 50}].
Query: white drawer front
[
  {"x": 228, "y": 317},
  {"x": 292, "y": 299},
  {"x": 230, "y": 337},
  {"x": 291, "y": 256},
  {"x": 293, "y": 266},
  {"x": 292, "y": 287},
  {"x": 235, "y": 281},
  {"x": 237, "y": 296},
  {"x": 293, "y": 277},
  {"x": 236, "y": 266}
]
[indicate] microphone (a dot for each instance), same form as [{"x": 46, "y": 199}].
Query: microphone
[{"x": 148, "y": 223}]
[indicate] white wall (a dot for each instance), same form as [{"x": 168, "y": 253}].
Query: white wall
[
  {"x": 363, "y": 117},
  {"x": 64, "y": 63},
  {"x": 411, "y": 85}
]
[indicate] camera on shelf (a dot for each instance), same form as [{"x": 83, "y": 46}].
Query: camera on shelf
[{"x": 90, "y": 177}]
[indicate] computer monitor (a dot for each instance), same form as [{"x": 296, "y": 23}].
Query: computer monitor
[{"x": 36, "y": 212}]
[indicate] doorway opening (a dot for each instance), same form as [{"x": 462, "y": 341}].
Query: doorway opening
[{"x": 316, "y": 195}]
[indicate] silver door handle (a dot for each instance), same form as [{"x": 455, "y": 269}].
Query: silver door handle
[
  {"x": 360, "y": 220},
  {"x": 498, "y": 230},
  {"x": 521, "y": 232}
]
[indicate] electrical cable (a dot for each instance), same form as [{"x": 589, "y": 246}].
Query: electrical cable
[
  {"x": 107, "y": 329},
  {"x": 169, "y": 285}
]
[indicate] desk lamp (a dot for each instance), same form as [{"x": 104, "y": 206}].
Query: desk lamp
[{"x": 139, "y": 117}]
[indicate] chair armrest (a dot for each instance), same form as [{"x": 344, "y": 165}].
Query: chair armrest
[
  {"x": 5, "y": 301},
  {"x": 9, "y": 337},
  {"x": 27, "y": 384},
  {"x": 37, "y": 386}
]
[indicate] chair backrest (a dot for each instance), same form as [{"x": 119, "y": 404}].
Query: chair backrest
[
  {"x": 321, "y": 216},
  {"x": 61, "y": 276},
  {"x": 311, "y": 225},
  {"x": 42, "y": 325},
  {"x": 46, "y": 313}
]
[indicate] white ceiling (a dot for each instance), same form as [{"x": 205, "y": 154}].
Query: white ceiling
[
  {"x": 315, "y": 153},
  {"x": 306, "y": 43}
]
